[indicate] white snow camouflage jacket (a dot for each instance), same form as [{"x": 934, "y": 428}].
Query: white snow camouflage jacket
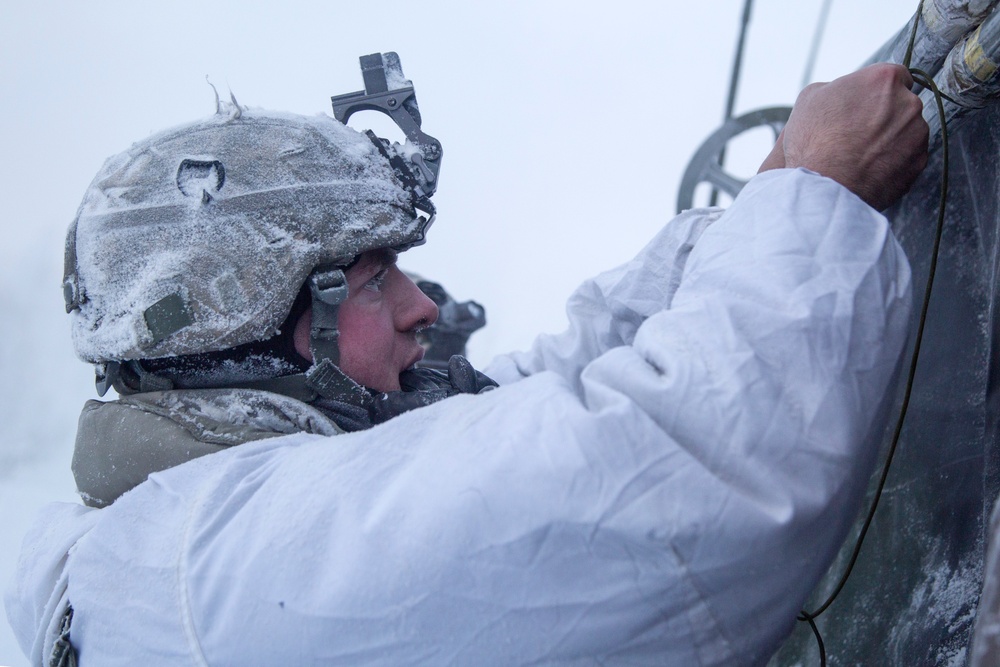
[{"x": 662, "y": 484}]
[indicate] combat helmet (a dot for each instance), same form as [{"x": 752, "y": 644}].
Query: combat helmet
[{"x": 191, "y": 249}]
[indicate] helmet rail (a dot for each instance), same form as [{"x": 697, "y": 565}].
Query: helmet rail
[{"x": 388, "y": 92}]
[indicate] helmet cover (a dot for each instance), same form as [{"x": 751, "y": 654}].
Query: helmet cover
[{"x": 219, "y": 223}]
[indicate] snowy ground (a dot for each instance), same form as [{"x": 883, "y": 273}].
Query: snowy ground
[{"x": 566, "y": 127}]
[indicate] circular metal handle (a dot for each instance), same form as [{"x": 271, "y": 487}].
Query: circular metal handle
[{"x": 706, "y": 167}]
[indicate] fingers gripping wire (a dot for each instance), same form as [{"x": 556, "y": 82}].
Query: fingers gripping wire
[{"x": 922, "y": 78}]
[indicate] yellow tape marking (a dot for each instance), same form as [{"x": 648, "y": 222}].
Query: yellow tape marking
[{"x": 976, "y": 60}]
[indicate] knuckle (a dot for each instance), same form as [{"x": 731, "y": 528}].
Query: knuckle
[
  {"x": 891, "y": 74},
  {"x": 881, "y": 70},
  {"x": 808, "y": 91}
]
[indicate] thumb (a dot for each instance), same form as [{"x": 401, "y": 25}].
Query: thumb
[{"x": 462, "y": 375}]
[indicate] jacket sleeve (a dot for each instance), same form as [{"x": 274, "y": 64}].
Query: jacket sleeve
[
  {"x": 606, "y": 311},
  {"x": 672, "y": 503}
]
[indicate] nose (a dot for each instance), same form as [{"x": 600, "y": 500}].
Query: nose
[{"x": 413, "y": 308}]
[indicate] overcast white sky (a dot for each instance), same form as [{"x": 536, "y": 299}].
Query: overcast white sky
[{"x": 566, "y": 128}]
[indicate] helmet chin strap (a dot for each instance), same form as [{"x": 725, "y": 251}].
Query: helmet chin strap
[{"x": 329, "y": 289}]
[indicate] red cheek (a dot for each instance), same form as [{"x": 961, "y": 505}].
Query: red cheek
[{"x": 367, "y": 346}]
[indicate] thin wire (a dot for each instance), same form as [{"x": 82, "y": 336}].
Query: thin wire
[
  {"x": 809, "y": 616},
  {"x": 913, "y": 35},
  {"x": 824, "y": 14},
  {"x": 929, "y": 83},
  {"x": 924, "y": 79},
  {"x": 819, "y": 638}
]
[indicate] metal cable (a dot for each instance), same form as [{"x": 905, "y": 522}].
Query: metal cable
[{"x": 924, "y": 79}]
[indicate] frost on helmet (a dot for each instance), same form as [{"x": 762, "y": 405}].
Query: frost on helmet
[{"x": 199, "y": 238}]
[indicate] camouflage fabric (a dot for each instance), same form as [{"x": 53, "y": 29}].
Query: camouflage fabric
[{"x": 199, "y": 238}]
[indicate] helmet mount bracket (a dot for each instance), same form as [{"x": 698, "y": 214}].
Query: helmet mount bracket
[{"x": 400, "y": 104}]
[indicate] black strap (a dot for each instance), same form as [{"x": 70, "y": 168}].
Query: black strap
[
  {"x": 324, "y": 379},
  {"x": 63, "y": 651}
]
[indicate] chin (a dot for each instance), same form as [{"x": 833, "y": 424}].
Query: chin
[{"x": 390, "y": 384}]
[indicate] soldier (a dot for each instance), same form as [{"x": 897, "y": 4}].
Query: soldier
[{"x": 663, "y": 483}]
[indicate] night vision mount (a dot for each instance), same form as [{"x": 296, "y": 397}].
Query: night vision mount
[{"x": 389, "y": 92}]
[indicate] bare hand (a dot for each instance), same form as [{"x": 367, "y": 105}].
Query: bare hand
[
  {"x": 776, "y": 158},
  {"x": 864, "y": 130}
]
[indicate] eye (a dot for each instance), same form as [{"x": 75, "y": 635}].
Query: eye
[{"x": 375, "y": 284}]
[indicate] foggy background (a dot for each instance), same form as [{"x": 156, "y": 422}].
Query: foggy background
[{"x": 566, "y": 127}]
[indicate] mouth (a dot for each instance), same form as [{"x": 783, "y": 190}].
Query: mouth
[{"x": 415, "y": 359}]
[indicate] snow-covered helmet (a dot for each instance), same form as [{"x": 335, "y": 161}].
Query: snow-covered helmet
[{"x": 199, "y": 239}]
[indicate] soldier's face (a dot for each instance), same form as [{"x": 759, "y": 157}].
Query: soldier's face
[{"x": 378, "y": 322}]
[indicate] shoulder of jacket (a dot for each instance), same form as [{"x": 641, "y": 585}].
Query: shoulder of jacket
[{"x": 120, "y": 443}]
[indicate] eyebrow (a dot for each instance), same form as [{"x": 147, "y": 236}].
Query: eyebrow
[
  {"x": 385, "y": 257},
  {"x": 376, "y": 260}
]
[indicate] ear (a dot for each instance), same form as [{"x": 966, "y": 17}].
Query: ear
[{"x": 300, "y": 337}]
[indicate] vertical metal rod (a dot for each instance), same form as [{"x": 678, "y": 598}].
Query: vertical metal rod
[
  {"x": 824, "y": 14},
  {"x": 738, "y": 61},
  {"x": 733, "y": 82}
]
